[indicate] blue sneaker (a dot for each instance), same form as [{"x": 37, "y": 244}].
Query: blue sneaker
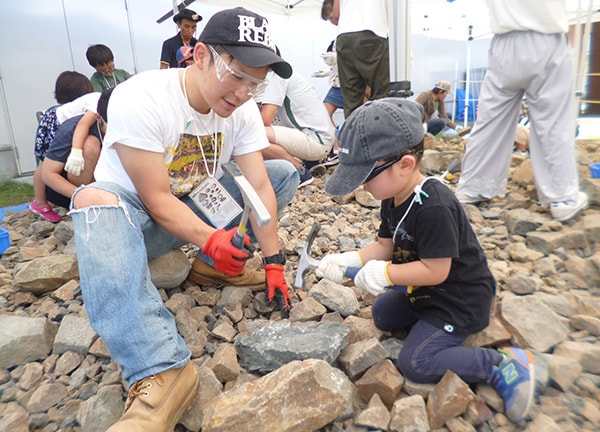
[
  {"x": 514, "y": 380},
  {"x": 306, "y": 177}
]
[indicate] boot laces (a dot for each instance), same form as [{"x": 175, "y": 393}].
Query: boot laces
[{"x": 142, "y": 388}]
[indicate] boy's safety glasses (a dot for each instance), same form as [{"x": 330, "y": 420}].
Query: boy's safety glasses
[{"x": 391, "y": 161}]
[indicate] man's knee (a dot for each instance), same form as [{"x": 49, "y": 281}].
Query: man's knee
[{"x": 91, "y": 196}]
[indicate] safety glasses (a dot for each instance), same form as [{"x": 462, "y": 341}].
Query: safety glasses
[
  {"x": 389, "y": 162},
  {"x": 236, "y": 80}
]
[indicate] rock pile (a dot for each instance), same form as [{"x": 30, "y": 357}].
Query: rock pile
[{"x": 326, "y": 368}]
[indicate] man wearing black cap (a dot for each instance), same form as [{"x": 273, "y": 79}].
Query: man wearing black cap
[
  {"x": 186, "y": 21},
  {"x": 160, "y": 185}
]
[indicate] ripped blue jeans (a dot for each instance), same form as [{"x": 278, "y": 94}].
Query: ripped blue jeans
[{"x": 114, "y": 246}]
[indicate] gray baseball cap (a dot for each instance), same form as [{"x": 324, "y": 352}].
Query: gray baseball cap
[{"x": 375, "y": 131}]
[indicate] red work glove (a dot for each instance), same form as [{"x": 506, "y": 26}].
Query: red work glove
[
  {"x": 276, "y": 281},
  {"x": 227, "y": 258}
]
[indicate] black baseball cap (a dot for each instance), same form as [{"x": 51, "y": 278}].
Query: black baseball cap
[
  {"x": 245, "y": 36},
  {"x": 187, "y": 14}
]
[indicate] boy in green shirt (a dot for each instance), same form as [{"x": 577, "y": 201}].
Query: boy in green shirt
[{"x": 101, "y": 58}]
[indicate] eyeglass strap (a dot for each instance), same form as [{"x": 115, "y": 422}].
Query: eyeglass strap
[{"x": 418, "y": 191}]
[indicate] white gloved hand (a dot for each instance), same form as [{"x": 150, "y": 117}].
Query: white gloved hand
[
  {"x": 373, "y": 277},
  {"x": 329, "y": 58},
  {"x": 333, "y": 266},
  {"x": 75, "y": 162},
  {"x": 320, "y": 74}
]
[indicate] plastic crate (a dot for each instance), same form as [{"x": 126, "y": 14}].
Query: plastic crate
[
  {"x": 4, "y": 240},
  {"x": 595, "y": 170}
]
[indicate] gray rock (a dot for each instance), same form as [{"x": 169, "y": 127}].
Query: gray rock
[
  {"x": 276, "y": 344},
  {"x": 100, "y": 411},
  {"x": 170, "y": 270},
  {"x": 24, "y": 339},
  {"x": 335, "y": 297},
  {"x": 74, "y": 334}
]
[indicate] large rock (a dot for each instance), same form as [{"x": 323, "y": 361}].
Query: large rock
[
  {"x": 170, "y": 270},
  {"x": 74, "y": 334},
  {"x": 23, "y": 339},
  {"x": 45, "y": 274},
  {"x": 278, "y": 343},
  {"x": 300, "y": 396},
  {"x": 533, "y": 323}
]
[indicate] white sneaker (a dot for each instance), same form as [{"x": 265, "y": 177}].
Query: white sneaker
[
  {"x": 566, "y": 210},
  {"x": 468, "y": 199}
]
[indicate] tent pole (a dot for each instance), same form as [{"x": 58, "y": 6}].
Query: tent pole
[
  {"x": 455, "y": 85},
  {"x": 131, "y": 38},
  {"x": 583, "y": 58},
  {"x": 468, "y": 80},
  {"x": 399, "y": 39},
  {"x": 577, "y": 44}
]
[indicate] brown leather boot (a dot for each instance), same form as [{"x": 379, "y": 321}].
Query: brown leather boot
[
  {"x": 156, "y": 403},
  {"x": 203, "y": 274}
]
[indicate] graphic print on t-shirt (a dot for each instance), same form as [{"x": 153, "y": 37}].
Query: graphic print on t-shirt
[{"x": 187, "y": 165}]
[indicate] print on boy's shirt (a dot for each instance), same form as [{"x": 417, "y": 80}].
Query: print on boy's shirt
[
  {"x": 404, "y": 256},
  {"x": 186, "y": 165}
]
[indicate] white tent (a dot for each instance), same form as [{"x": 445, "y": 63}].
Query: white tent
[{"x": 427, "y": 39}]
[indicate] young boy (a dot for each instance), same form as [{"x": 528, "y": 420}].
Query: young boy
[
  {"x": 170, "y": 131},
  {"x": 425, "y": 243},
  {"x": 70, "y": 88},
  {"x": 74, "y": 135},
  {"x": 101, "y": 58}
]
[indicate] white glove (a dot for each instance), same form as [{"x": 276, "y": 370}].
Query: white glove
[
  {"x": 333, "y": 266},
  {"x": 329, "y": 58},
  {"x": 320, "y": 74},
  {"x": 75, "y": 162},
  {"x": 373, "y": 277}
]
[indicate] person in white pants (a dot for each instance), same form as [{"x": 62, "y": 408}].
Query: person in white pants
[{"x": 529, "y": 55}]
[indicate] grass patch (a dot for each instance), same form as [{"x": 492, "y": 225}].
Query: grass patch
[{"x": 13, "y": 193}]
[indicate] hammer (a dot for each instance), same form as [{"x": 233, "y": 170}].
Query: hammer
[
  {"x": 251, "y": 202},
  {"x": 448, "y": 172},
  {"x": 261, "y": 214},
  {"x": 308, "y": 263}
]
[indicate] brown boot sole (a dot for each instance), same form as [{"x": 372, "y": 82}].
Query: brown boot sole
[
  {"x": 187, "y": 403},
  {"x": 206, "y": 281}
]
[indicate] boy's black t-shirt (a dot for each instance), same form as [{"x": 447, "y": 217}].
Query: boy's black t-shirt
[{"x": 439, "y": 228}]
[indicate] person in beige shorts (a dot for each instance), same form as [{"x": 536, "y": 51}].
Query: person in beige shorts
[{"x": 297, "y": 124}]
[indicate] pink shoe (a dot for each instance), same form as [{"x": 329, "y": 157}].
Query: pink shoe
[{"x": 45, "y": 211}]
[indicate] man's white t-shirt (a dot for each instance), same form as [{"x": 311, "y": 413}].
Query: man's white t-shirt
[
  {"x": 150, "y": 112},
  {"x": 300, "y": 107},
  {"x": 360, "y": 15}
]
